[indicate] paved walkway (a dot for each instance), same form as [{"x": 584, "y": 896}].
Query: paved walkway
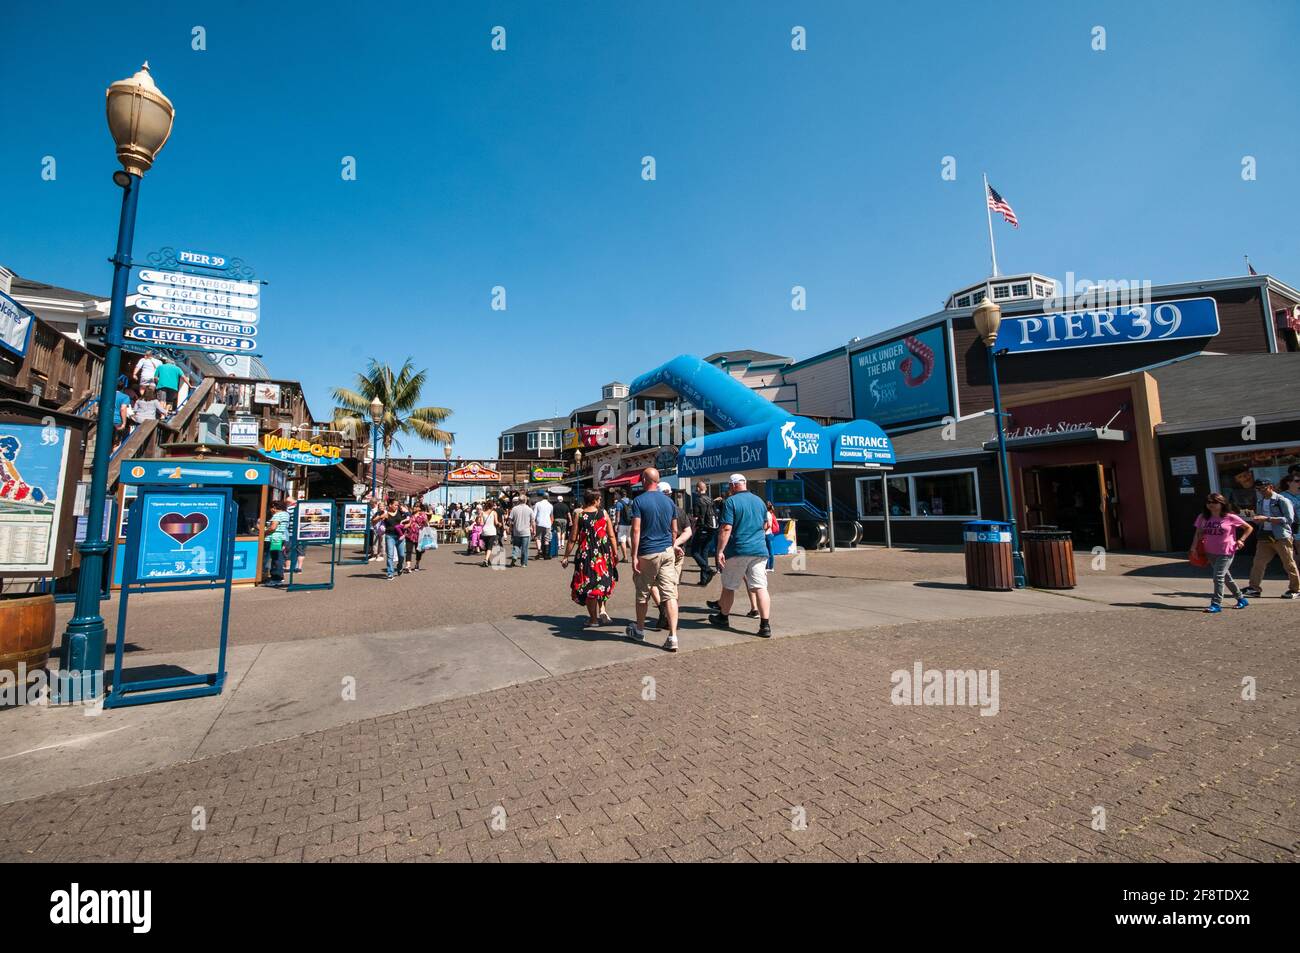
[
  {"x": 1120, "y": 682},
  {"x": 789, "y": 749}
]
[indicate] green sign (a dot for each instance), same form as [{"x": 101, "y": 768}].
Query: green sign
[{"x": 547, "y": 474}]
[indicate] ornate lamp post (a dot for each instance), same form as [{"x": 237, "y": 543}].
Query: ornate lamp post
[
  {"x": 446, "y": 485},
  {"x": 376, "y": 416},
  {"x": 140, "y": 121},
  {"x": 988, "y": 318}
]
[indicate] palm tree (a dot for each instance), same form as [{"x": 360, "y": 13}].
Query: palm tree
[{"x": 399, "y": 392}]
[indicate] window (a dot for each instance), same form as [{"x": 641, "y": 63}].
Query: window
[
  {"x": 1234, "y": 470},
  {"x": 977, "y": 297},
  {"x": 945, "y": 494},
  {"x": 1001, "y": 291},
  {"x": 1020, "y": 291},
  {"x": 532, "y": 440},
  {"x": 963, "y": 301},
  {"x": 546, "y": 440},
  {"x": 507, "y": 443}
]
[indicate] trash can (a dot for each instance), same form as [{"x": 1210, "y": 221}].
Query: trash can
[
  {"x": 988, "y": 555},
  {"x": 1049, "y": 558}
]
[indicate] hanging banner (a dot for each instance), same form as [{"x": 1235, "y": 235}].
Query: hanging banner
[{"x": 15, "y": 325}]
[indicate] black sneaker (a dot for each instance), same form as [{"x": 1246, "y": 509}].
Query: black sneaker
[
  {"x": 1252, "y": 591},
  {"x": 765, "y": 629},
  {"x": 1290, "y": 595},
  {"x": 752, "y": 614},
  {"x": 719, "y": 621}
]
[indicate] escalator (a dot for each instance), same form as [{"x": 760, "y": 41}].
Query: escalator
[{"x": 811, "y": 533}]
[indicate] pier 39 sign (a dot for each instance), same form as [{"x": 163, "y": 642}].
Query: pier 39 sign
[{"x": 1125, "y": 324}]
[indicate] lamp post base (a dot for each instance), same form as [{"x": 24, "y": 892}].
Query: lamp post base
[{"x": 81, "y": 673}]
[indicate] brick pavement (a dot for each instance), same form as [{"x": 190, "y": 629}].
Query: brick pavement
[{"x": 1135, "y": 711}]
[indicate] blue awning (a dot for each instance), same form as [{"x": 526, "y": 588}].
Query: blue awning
[
  {"x": 860, "y": 443},
  {"x": 795, "y": 443}
]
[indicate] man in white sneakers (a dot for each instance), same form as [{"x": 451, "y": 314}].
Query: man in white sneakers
[{"x": 742, "y": 554}]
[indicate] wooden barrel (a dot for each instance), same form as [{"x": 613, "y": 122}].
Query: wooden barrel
[
  {"x": 1049, "y": 559},
  {"x": 26, "y": 632},
  {"x": 988, "y": 556}
]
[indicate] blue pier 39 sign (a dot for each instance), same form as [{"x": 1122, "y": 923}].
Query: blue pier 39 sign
[{"x": 1126, "y": 324}]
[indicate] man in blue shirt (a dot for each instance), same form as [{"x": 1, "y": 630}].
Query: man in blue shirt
[
  {"x": 742, "y": 554},
  {"x": 654, "y": 552}
]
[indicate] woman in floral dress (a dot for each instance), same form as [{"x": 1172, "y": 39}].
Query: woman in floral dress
[{"x": 595, "y": 564}]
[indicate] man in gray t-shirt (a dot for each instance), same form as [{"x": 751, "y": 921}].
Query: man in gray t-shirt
[{"x": 521, "y": 530}]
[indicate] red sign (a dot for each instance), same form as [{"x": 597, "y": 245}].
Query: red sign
[
  {"x": 474, "y": 473},
  {"x": 596, "y": 436}
]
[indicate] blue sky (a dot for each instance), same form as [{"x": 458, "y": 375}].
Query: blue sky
[{"x": 522, "y": 169}]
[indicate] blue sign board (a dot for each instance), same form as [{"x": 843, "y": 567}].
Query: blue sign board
[
  {"x": 1102, "y": 326},
  {"x": 904, "y": 380},
  {"x": 192, "y": 340},
  {"x": 182, "y": 535},
  {"x": 860, "y": 443},
  {"x": 208, "y": 472},
  {"x": 15, "y": 325},
  {"x": 795, "y": 443},
  {"x": 180, "y": 322}
]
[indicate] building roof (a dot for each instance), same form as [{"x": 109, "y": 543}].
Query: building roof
[
  {"x": 1210, "y": 388},
  {"x": 968, "y": 434},
  {"x": 747, "y": 357},
  {"x": 546, "y": 423},
  {"x": 27, "y": 286},
  {"x": 612, "y": 403}
]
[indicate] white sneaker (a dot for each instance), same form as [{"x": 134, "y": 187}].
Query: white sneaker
[
  {"x": 633, "y": 633},
  {"x": 671, "y": 644}
]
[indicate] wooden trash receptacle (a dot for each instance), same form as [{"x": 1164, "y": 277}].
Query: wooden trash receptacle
[
  {"x": 988, "y": 555},
  {"x": 26, "y": 632},
  {"x": 1049, "y": 558}
]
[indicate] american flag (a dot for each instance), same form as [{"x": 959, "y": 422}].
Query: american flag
[{"x": 1000, "y": 205}]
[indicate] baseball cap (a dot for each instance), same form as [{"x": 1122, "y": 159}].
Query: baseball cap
[
  {"x": 665, "y": 487},
  {"x": 737, "y": 478},
  {"x": 1263, "y": 481}
]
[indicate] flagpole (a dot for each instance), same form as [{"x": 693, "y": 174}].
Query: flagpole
[{"x": 993, "y": 251}]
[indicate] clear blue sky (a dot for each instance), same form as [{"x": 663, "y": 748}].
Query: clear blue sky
[{"x": 522, "y": 169}]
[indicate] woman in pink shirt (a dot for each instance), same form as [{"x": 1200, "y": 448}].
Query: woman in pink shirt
[{"x": 1216, "y": 534}]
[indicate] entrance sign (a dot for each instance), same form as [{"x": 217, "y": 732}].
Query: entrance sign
[
  {"x": 180, "y": 535},
  {"x": 15, "y": 325},
  {"x": 1100, "y": 327},
  {"x": 903, "y": 381},
  {"x": 192, "y": 340}
]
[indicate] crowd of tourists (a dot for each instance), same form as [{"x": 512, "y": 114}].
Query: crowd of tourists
[
  {"x": 154, "y": 389},
  {"x": 1224, "y": 526}
]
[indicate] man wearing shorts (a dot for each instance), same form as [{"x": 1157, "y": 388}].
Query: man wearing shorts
[
  {"x": 623, "y": 522},
  {"x": 654, "y": 529},
  {"x": 742, "y": 554}
]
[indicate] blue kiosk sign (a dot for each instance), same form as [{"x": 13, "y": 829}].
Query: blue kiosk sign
[{"x": 178, "y": 539}]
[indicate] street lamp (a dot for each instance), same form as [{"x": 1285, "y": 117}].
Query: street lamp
[
  {"x": 446, "y": 485},
  {"x": 140, "y": 121},
  {"x": 988, "y": 318}
]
